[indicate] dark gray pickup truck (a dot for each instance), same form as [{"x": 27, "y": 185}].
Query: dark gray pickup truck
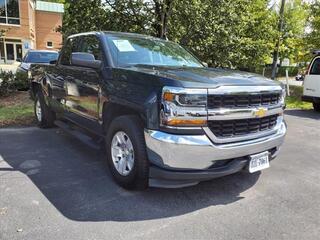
[{"x": 164, "y": 118}]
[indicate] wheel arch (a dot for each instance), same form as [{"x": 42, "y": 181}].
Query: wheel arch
[{"x": 112, "y": 110}]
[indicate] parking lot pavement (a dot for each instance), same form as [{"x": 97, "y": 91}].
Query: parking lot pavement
[{"x": 53, "y": 187}]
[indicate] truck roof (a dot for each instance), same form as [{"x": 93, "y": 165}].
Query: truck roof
[
  {"x": 51, "y": 51},
  {"x": 113, "y": 33}
]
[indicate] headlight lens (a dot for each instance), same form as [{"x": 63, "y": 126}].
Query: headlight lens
[
  {"x": 283, "y": 96},
  {"x": 183, "y": 107},
  {"x": 29, "y": 74}
]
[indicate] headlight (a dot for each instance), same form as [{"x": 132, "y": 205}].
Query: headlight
[
  {"x": 283, "y": 96},
  {"x": 29, "y": 74},
  {"x": 183, "y": 107}
]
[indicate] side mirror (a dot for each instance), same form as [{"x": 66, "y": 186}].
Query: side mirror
[
  {"x": 85, "y": 60},
  {"x": 205, "y": 64},
  {"x": 53, "y": 62},
  {"x": 18, "y": 60}
]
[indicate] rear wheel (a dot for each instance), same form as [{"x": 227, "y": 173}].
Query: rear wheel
[
  {"x": 44, "y": 115},
  {"x": 316, "y": 106},
  {"x": 126, "y": 152}
]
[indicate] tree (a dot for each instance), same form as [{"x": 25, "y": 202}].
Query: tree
[
  {"x": 83, "y": 16},
  {"x": 292, "y": 45},
  {"x": 313, "y": 36},
  {"x": 278, "y": 40},
  {"x": 225, "y": 33}
]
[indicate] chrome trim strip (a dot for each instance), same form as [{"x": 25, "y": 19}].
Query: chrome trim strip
[
  {"x": 179, "y": 90},
  {"x": 241, "y": 113},
  {"x": 200, "y": 140},
  {"x": 247, "y": 137},
  {"x": 244, "y": 89}
]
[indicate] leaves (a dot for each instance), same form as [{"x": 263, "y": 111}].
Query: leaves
[{"x": 224, "y": 33}]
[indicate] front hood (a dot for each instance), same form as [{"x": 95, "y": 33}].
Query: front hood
[
  {"x": 205, "y": 77},
  {"x": 25, "y": 66}
]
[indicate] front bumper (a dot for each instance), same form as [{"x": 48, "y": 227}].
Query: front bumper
[{"x": 193, "y": 158}]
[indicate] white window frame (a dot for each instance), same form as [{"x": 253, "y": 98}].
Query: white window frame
[
  {"x": 6, "y": 17},
  {"x": 51, "y": 45}
]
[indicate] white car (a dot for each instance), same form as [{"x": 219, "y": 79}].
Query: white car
[{"x": 311, "y": 86}]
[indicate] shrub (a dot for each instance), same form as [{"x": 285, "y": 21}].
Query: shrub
[
  {"x": 10, "y": 82},
  {"x": 281, "y": 71}
]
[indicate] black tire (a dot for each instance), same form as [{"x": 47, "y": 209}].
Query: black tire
[
  {"x": 316, "y": 106},
  {"x": 47, "y": 115},
  {"x": 138, "y": 177}
]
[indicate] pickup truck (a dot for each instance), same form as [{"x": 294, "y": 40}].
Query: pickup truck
[
  {"x": 164, "y": 119},
  {"x": 311, "y": 84}
]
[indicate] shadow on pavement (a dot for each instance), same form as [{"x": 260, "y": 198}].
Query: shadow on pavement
[
  {"x": 75, "y": 180},
  {"x": 304, "y": 114}
]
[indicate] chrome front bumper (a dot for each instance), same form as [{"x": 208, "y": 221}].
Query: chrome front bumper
[{"x": 198, "y": 152}]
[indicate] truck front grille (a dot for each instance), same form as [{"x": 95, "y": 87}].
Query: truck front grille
[
  {"x": 234, "y": 128},
  {"x": 243, "y": 101}
]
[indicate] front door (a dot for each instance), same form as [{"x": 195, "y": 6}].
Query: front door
[
  {"x": 12, "y": 52},
  {"x": 88, "y": 80},
  {"x": 81, "y": 84}
]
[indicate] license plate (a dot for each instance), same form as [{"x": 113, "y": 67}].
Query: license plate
[{"x": 258, "y": 162}]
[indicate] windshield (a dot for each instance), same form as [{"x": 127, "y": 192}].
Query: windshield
[
  {"x": 40, "y": 57},
  {"x": 127, "y": 50}
]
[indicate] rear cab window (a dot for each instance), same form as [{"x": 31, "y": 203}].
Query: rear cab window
[{"x": 315, "y": 68}]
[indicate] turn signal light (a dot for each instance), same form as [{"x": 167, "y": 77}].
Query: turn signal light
[{"x": 185, "y": 122}]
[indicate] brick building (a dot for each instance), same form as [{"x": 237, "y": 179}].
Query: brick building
[{"x": 28, "y": 24}]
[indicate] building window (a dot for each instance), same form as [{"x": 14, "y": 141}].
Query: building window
[
  {"x": 9, "y": 12},
  {"x": 49, "y": 45}
]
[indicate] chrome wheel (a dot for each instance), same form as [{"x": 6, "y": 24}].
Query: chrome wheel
[
  {"x": 38, "y": 111},
  {"x": 122, "y": 153}
]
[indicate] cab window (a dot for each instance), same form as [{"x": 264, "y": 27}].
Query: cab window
[
  {"x": 72, "y": 45},
  {"x": 315, "y": 69},
  {"x": 91, "y": 44}
]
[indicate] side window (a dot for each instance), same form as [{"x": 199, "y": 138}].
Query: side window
[
  {"x": 315, "y": 69},
  {"x": 72, "y": 45},
  {"x": 91, "y": 44}
]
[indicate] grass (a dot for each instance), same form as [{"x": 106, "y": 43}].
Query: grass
[
  {"x": 16, "y": 110},
  {"x": 294, "y": 100}
]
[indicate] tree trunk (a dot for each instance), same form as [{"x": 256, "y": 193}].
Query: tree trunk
[
  {"x": 276, "y": 50},
  {"x": 162, "y": 15}
]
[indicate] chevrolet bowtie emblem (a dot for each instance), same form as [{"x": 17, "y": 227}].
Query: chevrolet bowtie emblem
[{"x": 260, "y": 112}]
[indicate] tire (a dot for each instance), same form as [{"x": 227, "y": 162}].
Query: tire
[
  {"x": 316, "y": 106},
  {"x": 128, "y": 126},
  {"x": 46, "y": 117}
]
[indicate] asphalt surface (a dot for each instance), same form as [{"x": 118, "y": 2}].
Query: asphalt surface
[{"x": 53, "y": 187}]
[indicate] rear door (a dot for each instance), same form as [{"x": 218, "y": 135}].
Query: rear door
[{"x": 312, "y": 79}]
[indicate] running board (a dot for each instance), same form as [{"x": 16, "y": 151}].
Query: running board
[{"x": 78, "y": 134}]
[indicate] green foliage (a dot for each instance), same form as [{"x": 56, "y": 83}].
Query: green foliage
[
  {"x": 224, "y": 33},
  {"x": 295, "y": 20},
  {"x": 10, "y": 82},
  {"x": 312, "y": 39},
  {"x": 83, "y": 16},
  {"x": 281, "y": 71},
  {"x": 294, "y": 100}
]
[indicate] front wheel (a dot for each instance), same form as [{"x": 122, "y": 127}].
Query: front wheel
[
  {"x": 316, "y": 106},
  {"x": 126, "y": 152},
  {"x": 44, "y": 115}
]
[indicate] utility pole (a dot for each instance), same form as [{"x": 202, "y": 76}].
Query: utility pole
[{"x": 276, "y": 50}]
